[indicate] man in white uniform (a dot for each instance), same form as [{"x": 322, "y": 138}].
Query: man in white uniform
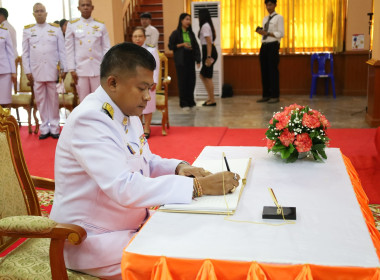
[
  {"x": 106, "y": 177},
  {"x": 42, "y": 50},
  {"x": 86, "y": 42},
  {"x": 4, "y": 23},
  {"x": 151, "y": 32}
]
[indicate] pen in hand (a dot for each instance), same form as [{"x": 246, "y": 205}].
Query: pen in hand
[{"x": 225, "y": 159}]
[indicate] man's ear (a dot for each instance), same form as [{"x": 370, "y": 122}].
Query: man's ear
[{"x": 111, "y": 82}]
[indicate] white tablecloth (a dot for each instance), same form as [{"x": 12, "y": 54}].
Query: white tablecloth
[{"x": 330, "y": 228}]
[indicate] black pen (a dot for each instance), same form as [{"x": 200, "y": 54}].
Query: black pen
[{"x": 225, "y": 159}]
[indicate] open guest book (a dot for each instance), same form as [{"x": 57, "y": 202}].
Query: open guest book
[{"x": 215, "y": 204}]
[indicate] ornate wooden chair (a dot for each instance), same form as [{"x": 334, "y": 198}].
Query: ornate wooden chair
[
  {"x": 41, "y": 255},
  {"x": 162, "y": 92},
  {"x": 69, "y": 100},
  {"x": 24, "y": 97}
]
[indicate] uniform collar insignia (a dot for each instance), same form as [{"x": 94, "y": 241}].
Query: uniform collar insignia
[
  {"x": 51, "y": 31},
  {"x": 125, "y": 121},
  {"x": 107, "y": 108}
]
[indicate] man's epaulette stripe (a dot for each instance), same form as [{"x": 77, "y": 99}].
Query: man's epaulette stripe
[
  {"x": 99, "y": 20},
  {"x": 54, "y": 24},
  {"x": 2, "y": 27},
  {"x": 74, "y": 20},
  {"x": 29, "y": 26}
]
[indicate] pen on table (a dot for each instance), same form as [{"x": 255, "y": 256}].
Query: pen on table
[{"x": 225, "y": 159}]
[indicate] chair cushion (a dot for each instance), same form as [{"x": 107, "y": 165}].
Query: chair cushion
[
  {"x": 31, "y": 224},
  {"x": 21, "y": 98},
  {"x": 66, "y": 99},
  {"x": 31, "y": 261},
  {"x": 160, "y": 98}
]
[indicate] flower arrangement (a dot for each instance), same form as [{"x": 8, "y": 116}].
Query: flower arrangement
[{"x": 298, "y": 130}]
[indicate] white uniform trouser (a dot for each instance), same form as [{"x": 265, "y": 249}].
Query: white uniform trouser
[
  {"x": 46, "y": 96},
  {"x": 6, "y": 88},
  {"x": 87, "y": 85},
  {"x": 112, "y": 272}
]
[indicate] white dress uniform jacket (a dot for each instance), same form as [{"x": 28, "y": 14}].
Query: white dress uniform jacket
[
  {"x": 106, "y": 177},
  {"x": 42, "y": 48},
  {"x": 12, "y": 32},
  {"x": 86, "y": 42},
  {"x": 7, "y": 62},
  {"x": 151, "y": 106}
]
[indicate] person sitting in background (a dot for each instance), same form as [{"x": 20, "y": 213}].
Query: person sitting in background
[
  {"x": 151, "y": 32},
  {"x": 106, "y": 177},
  {"x": 138, "y": 38},
  {"x": 183, "y": 43}
]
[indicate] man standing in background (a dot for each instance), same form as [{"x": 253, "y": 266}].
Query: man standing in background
[
  {"x": 86, "y": 42},
  {"x": 151, "y": 33},
  {"x": 272, "y": 33},
  {"x": 4, "y": 23},
  {"x": 42, "y": 49}
]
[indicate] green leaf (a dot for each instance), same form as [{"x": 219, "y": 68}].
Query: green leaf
[
  {"x": 323, "y": 154},
  {"x": 293, "y": 157},
  {"x": 319, "y": 147}
]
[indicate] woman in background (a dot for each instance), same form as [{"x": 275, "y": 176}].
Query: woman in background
[
  {"x": 138, "y": 38},
  {"x": 209, "y": 54},
  {"x": 183, "y": 43},
  {"x": 7, "y": 68}
]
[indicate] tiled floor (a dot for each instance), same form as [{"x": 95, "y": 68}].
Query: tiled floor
[{"x": 244, "y": 112}]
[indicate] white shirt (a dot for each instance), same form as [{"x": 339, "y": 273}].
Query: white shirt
[
  {"x": 152, "y": 35},
  {"x": 86, "y": 43},
  {"x": 105, "y": 178},
  {"x": 7, "y": 62},
  {"x": 206, "y": 31},
  {"x": 42, "y": 48},
  {"x": 12, "y": 32},
  {"x": 276, "y": 26}
]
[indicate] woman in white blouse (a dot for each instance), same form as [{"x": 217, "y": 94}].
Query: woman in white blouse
[
  {"x": 7, "y": 68},
  {"x": 138, "y": 38},
  {"x": 209, "y": 54}
]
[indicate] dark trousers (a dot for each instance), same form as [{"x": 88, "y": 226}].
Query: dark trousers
[
  {"x": 186, "y": 82},
  {"x": 269, "y": 59}
]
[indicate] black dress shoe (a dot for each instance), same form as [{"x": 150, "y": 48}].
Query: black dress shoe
[
  {"x": 44, "y": 136},
  {"x": 55, "y": 136},
  {"x": 209, "y": 104},
  {"x": 274, "y": 100},
  {"x": 264, "y": 99},
  {"x": 147, "y": 135}
]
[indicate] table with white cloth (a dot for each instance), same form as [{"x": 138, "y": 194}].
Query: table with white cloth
[{"x": 333, "y": 237}]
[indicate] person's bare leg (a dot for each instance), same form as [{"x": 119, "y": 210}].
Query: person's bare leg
[
  {"x": 209, "y": 85},
  {"x": 148, "y": 120}
]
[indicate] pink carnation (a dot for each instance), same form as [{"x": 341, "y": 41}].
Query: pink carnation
[
  {"x": 324, "y": 121},
  {"x": 282, "y": 120},
  {"x": 287, "y": 137},
  {"x": 270, "y": 143},
  {"x": 303, "y": 142},
  {"x": 311, "y": 121},
  {"x": 292, "y": 107}
]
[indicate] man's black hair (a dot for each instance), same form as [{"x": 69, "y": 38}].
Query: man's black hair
[
  {"x": 146, "y": 15},
  {"x": 272, "y": 1},
  {"x": 4, "y": 12},
  {"x": 62, "y": 22},
  {"x": 125, "y": 57}
]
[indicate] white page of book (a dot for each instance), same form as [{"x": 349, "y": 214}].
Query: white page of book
[{"x": 219, "y": 204}]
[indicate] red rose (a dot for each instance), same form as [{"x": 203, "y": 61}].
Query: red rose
[
  {"x": 303, "y": 142},
  {"x": 324, "y": 121},
  {"x": 311, "y": 121},
  {"x": 270, "y": 143},
  {"x": 286, "y": 137}
]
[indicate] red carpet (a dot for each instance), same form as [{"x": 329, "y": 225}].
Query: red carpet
[{"x": 187, "y": 142}]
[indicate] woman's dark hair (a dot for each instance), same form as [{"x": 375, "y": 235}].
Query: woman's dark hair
[
  {"x": 205, "y": 17},
  {"x": 181, "y": 18}
]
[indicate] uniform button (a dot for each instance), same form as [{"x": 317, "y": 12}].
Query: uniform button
[
  {"x": 86, "y": 24},
  {"x": 88, "y": 32},
  {"x": 91, "y": 58},
  {"x": 90, "y": 49},
  {"x": 89, "y": 41}
]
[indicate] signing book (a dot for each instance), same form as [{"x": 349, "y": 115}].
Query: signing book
[{"x": 220, "y": 204}]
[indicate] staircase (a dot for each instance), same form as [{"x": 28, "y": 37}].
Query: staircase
[{"x": 138, "y": 7}]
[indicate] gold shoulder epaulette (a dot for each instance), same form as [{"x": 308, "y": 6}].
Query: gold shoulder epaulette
[
  {"x": 107, "y": 108},
  {"x": 29, "y": 26},
  {"x": 54, "y": 24},
  {"x": 99, "y": 20},
  {"x": 74, "y": 20},
  {"x": 2, "y": 27},
  {"x": 149, "y": 45}
]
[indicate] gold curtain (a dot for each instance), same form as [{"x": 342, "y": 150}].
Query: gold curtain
[{"x": 310, "y": 25}]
